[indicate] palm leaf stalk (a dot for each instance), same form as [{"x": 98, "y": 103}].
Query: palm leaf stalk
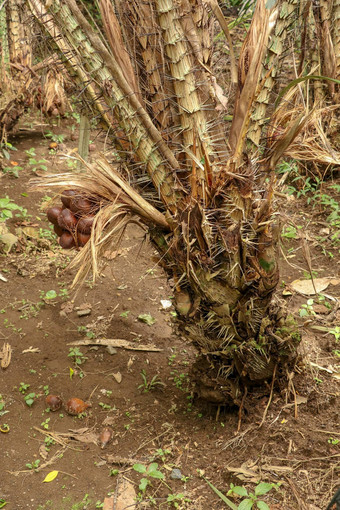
[
  {"x": 214, "y": 224},
  {"x": 336, "y": 34},
  {"x": 18, "y": 80},
  {"x": 277, "y": 49}
]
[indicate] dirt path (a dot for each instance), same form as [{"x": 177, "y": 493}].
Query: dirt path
[{"x": 144, "y": 397}]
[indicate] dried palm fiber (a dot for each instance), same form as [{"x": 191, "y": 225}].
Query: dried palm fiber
[
  {"x": 53, "y": 99},
  {"x": 142, "y": 37},
  {"x": 336, "y": 34},
  {"x": 323, "y": 16},
  {"x": 217, "y": 238},
  {"x": 277, "y": 52},
  {"x": 18, "y": 80},
  {"x": 312, "y": 144},
  {"x": 18, "y": 33}
]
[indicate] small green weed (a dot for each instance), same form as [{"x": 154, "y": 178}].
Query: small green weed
[
  {"x": 149, "y": 385},
  {"x": 13, "y": 171},
  {"x": 150, "y": 471},
  {"x": 23, "y": 387},
  {"x": 84, "y": 330},
  {"x": 252, "y": 498},
  {"x": 5, "y": 147},
  {"x": 33, "y": 465},
  {"x": 7, "y": 206},
  {"x": 307, "y": 309},
  {"x": 78, "y": 357},
  {"x": 336, "y": 332},
  {"x": 54, "y": 137},
  {"x": 38, "y": 164},
  {"x": 29, "y": 399}
]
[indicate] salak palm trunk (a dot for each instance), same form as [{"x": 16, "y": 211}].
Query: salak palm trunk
[
  {"x": 209, "y": 212},
  {"x": 15, "y": 84}
]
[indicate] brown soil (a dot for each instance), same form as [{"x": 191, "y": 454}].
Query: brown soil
[{"x": 296, "y": 446}]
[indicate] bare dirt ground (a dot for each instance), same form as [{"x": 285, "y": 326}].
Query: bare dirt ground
[{"x": 145, "y": 397}]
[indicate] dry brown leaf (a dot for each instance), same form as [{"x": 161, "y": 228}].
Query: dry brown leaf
[
  {"x": 108, "y": 503},
  {"x": 118, "y": 377},
  {"x": 109, "y": 420},
  {"x": 126, "y": 495},
  {"x": 306, "y": 286}
]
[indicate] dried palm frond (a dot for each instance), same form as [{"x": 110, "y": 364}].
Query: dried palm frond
[
  {"x": 250, "y": 66},
  {"x": 313, "y": 142},
  {"x": 53, "y": 99}
]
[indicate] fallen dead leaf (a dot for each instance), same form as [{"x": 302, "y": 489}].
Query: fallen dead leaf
[
  {"x": 108, "y": 503},
  {"x": 126, "y": 496},
  {"x": 118, "y": 377},
  {"x": 306, "y": 286},
  {"x": 84, "y": 306},
  {"x": 109, "y": 420}
]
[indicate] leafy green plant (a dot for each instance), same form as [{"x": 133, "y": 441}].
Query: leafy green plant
[
  {"x": 78, "y": 357},
  {"x": 5, "y": 147},
  {"x": 336, "y": 332},
  {"x": 45, "y": 423},
  {"x": 13, "y": 171},
  {"x": 48, "y": 296},
  {"x": 31, "y": 152},
  {"x": 38, "y": 164},
  {"x": 23, "y": 388},
  {"x": 150, "y": 471},
  {"x": 181, "y": 380},
  {"x": 176, "y": 499},
  {"x": 160, "y": 453},
  {"x": 289, "y": 232},
  {"x": 34, "y": 464},
  {"x": 29, "y": 399},
  {"x": 7, "y": 206},
  {"x": 146, "y": 318},
  {"x": 54, "y": 137},
  {"x": 105, "y": 407},
  {"x": 3, "y": 502},
  {"x": 252, "y": 498},
  {"x": 149, "y": 385},
  {"x": 333, "y": 441},
  {"x": 49, "y": 441},
  {"x": 83, "y": 329},
  {"x": 307, "y": 309}
]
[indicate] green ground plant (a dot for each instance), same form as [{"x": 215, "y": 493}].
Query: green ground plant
[{"x": 151, "y": 385}]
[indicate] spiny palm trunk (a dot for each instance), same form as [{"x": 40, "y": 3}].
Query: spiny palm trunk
[
  {"x": 336, "y": 41},
  {"x": 215, "y": 232},
  {"x": 16, "y": 94}
]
